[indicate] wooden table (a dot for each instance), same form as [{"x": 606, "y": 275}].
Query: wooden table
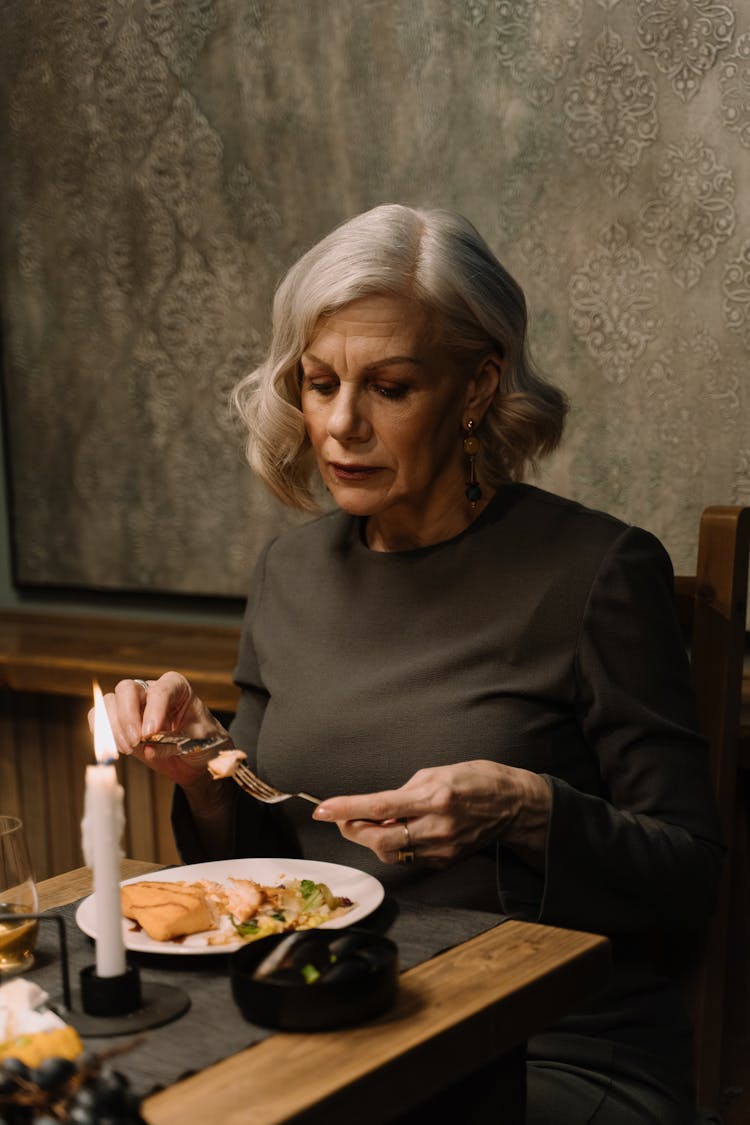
[{"x": 473, "y": 1005}]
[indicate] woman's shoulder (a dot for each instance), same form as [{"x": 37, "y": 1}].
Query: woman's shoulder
[
  {"x": 539, "y": 502},
  {"x": 571, "y": 527},
  {"x": 317, "y": 534}
]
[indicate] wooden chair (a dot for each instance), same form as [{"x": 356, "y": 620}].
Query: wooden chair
[{"x": 712, "y": 609}]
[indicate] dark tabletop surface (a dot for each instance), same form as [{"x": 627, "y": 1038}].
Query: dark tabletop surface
[{"x": 213, "y": 1027}]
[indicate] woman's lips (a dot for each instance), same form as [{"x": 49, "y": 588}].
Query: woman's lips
[{"x": 352, "y": 472}]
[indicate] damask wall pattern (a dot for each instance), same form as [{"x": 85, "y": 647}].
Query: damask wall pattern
[{"x": 166, "y": 160}]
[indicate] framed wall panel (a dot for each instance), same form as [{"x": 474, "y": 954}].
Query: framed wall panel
[{"x": 167, "y": 161}]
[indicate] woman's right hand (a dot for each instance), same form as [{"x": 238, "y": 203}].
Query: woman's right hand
[{"x": 169, "y": 704}]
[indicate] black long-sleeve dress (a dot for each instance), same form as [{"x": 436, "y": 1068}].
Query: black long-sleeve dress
[{"x": 543, "y": 637}]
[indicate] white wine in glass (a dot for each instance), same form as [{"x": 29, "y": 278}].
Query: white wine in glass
[{"x": 17, "y": 897}]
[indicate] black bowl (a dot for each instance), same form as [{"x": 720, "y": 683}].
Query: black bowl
[{"x": 327, "y": 979}]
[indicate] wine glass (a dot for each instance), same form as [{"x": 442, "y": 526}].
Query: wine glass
[{"x": 17, "y": 897}]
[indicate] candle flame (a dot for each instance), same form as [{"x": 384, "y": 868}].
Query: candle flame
[{"x": 104, "y": 741}]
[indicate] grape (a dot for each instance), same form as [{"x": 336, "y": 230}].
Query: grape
[
  {"x": 83, "y": 1115},
  {"x": 53, "y": 1073},
  {"x": 87, "y": 1092},
  {"x": 16, "y": 1068},
  {"x": 8, "y": 1084},
  {"x": 85, "y": 1097},
  {"x": 110, "y": 1087}
]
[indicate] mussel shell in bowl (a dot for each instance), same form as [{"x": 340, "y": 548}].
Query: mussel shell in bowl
[{"x": 316, "y": 980}]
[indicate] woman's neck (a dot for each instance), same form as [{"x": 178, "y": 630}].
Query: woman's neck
[{"x": 388, "y": 532}]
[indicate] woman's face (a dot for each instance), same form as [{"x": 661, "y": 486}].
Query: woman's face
[{"x": 384, "y": 409}]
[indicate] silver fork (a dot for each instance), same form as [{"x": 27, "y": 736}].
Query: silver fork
[
  {"x": 262, "y": 791},
  {"x": 203, "y": 749}
]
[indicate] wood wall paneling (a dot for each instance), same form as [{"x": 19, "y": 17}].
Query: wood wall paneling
[
  {"x": 45, "y": 746},
  {"x": 10, "y": 793}
]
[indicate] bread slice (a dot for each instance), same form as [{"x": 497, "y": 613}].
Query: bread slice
[{"x": 166, "y": 910}]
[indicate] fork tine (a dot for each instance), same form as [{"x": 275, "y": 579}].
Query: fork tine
[
  {"x": 260, "y": 793},
  {"x": 249, "y": 777},
  {"x": 247, "y": 780},
  {"x": 252, "y": 780},
  {"x": 266, "y": 792},
  {"x": 244, "y": 785}
]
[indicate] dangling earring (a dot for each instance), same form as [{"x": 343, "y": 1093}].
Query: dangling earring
[{"x": 471, "y": 448}]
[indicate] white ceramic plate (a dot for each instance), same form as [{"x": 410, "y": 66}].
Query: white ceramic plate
[{"x": 345, "y": 882}]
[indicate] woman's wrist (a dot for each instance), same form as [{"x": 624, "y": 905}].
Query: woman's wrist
[
  {"x": 526, "y": 829},
  {"x": 211, "y": 808},
  {"x": 209, "y": 799},
  {"x": 206, "y": 795}
]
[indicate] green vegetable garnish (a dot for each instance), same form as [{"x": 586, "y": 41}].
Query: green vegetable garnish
[
  {"x": 244, "y": 929},
  {"x": 310, "y": 973},
  {"x": 279, "y": 917},
  {"x": 314, "y": 894}
]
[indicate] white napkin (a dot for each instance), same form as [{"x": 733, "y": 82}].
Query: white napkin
[{"x": 23, "y": 1010}]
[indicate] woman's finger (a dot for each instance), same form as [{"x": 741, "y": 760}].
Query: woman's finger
[
  {"x": 391, "y": 842},
  {"x": 137, "y": 709},
  {"x": 165, "y": 704},
  {"x": 390, "y": 805},
  {"x": 125, "y": 710}
]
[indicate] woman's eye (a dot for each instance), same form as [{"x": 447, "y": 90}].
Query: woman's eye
[
  {"x": 321, "y": 387},
  {"x": 390, "y": 390}
]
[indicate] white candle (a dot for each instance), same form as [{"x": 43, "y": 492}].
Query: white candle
[{"x": 103, "y": 823}]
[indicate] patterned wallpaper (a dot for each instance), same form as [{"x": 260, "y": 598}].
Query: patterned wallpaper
[{"x": 166, "y": 160}]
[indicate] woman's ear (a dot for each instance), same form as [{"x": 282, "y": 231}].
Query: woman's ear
[{"x": 482, "y": 387}]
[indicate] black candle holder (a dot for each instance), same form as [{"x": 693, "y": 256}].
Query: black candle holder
[{"x": 110, "y": 1005}]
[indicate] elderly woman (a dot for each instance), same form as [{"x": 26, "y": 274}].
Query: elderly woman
[{"x": 485, "y": 680}]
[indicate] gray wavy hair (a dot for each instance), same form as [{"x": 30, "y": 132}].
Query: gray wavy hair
[{"x": 437, "y": 258}]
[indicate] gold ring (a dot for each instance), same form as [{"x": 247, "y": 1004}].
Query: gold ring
[
  {"x": 406, "y": 855},
  {"x": 407, "y": 837}
]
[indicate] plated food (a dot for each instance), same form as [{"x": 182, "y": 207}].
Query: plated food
[
  {"x": 364, "y": 891},
  {"x": 237, "y": 908}
]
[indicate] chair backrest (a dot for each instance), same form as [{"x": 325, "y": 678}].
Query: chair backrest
[{"x": 713, "y": 611}]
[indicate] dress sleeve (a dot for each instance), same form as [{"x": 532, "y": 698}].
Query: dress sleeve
[
  {"x": 257, "y": 829},
  {"x": 645, "y": 854},
  {"x": 245, "y": 727}
]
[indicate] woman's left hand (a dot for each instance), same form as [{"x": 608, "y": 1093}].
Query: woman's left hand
[{"x": 449, "y": 811}]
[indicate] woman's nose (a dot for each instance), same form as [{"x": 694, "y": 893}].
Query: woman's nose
[{"x": 347, "y": 420}]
